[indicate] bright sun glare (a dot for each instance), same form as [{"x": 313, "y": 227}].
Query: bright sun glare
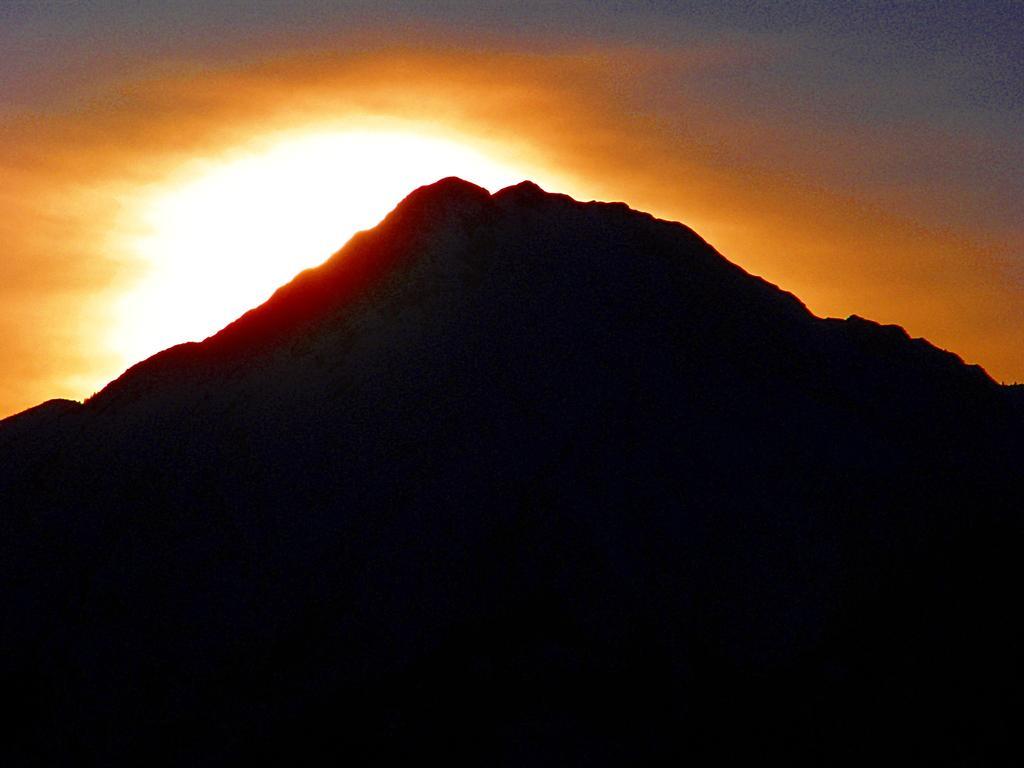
[{"x": 220, "y": 242}]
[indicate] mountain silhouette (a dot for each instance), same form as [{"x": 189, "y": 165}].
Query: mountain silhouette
[{"x": 513, "y": 479}]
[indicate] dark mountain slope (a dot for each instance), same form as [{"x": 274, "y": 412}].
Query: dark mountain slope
[{"x": 517, "y": 480}]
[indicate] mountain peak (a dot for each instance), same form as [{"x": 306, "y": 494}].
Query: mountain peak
[
  {"x": 453, "y": 190},
  {"x": 523, "y": 190},
  {"x": 446, "y": 191}
]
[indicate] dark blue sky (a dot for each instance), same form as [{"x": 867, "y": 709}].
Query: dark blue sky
[{"x": 973, "y": 48}]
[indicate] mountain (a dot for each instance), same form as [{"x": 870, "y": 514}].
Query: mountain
[{"x": 517, "y": 480}]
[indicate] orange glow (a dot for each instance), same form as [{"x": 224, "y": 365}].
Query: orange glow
[
  {"x": 220, "y": 240},
  {"x": 158, "y": 210}
]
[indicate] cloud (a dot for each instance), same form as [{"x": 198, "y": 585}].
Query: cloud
[{"x": 851, "y": 217}]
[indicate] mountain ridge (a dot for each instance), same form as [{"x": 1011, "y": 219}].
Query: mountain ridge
[{"x": 420, "y": 206}]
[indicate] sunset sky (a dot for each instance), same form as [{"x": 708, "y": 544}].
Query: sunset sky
[{"x": 166, "y": 164}]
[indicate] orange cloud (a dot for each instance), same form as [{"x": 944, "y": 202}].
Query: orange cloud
[{"x": 842, "y": 247}]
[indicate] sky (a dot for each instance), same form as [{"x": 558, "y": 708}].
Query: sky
[{"x": 865, "y": 156}]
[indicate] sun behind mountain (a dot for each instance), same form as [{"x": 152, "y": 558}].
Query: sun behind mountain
[{"x": 226, "y": 232}]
